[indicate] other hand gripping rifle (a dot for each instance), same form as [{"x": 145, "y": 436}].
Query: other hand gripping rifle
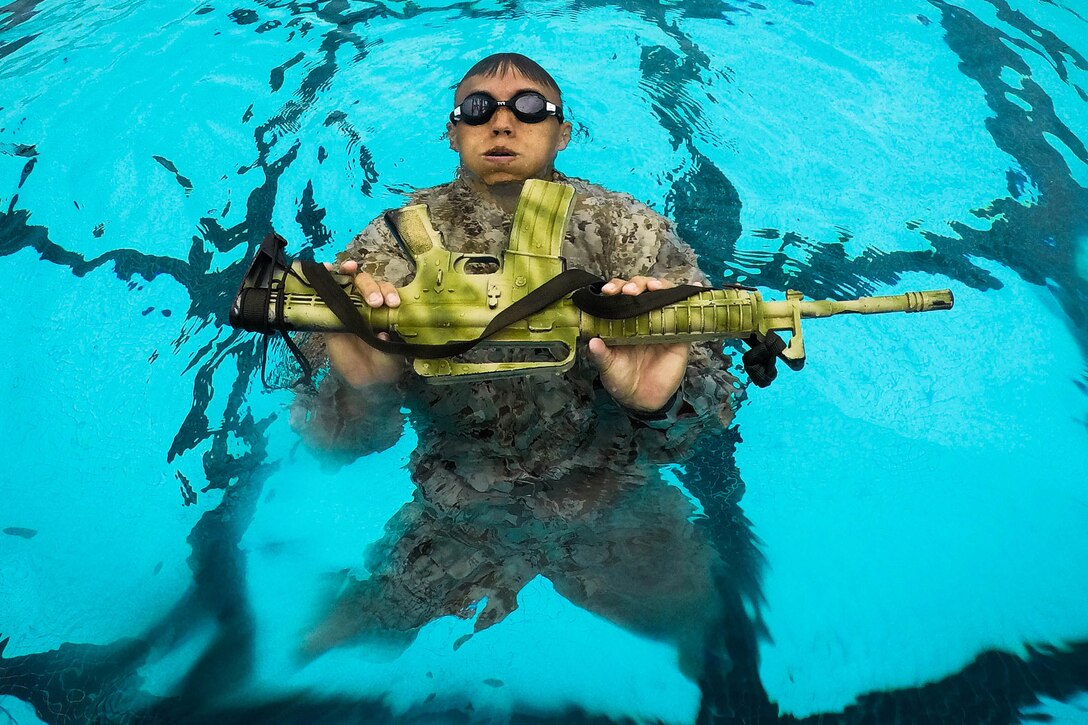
[{"x": 527, "y": 299}]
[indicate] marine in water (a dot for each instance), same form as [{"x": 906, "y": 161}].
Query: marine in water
[{"x": 532, "y": 470}]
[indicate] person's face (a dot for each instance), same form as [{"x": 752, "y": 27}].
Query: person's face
[{"x": 504, "y": 148}]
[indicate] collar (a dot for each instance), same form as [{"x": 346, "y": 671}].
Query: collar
[{"x": 470, "y": 181}]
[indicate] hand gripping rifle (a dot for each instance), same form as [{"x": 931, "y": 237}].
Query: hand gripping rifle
[{"x": 527, "y": 299}]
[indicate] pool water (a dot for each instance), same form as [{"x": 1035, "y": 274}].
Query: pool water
[{"x": 901, "y": 526}]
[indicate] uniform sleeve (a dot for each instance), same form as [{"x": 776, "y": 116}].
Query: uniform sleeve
[
  {"x": 379, "y": 254},
  {"x": 335, "y": 418},
  {"x": 648, "y": 245}
]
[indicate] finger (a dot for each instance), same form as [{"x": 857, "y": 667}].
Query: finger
[
  {"x": 599, "y": 354},
  {"x": 636, "y": 285},
  {"x": 369, "y": 289},
  {"x": 613, "y": 286},
  {"x": 349, "y": 267},
  {"x": 389, "y": 293}
]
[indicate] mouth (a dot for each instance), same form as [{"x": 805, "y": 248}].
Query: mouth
[{"x": 499, "y": 154}]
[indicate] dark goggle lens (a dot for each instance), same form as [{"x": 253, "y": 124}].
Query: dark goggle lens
[
  {"x": 530, "y": 107},
  {"x": 477, "y": 109}
]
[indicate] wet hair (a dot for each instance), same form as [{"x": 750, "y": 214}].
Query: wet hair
[{"x": 499, "y": 63}]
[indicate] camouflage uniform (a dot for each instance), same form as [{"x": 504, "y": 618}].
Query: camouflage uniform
[
  {"x": 486, "y": 436},
  {"x": 540, "y": 474}
]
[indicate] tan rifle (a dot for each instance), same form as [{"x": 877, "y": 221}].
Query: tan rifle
[{"x": 448, "y": 302}]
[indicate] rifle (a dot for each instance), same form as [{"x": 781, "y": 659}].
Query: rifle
[{"x": 527, "y": 299}]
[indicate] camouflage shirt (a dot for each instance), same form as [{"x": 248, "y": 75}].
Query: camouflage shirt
[{"x": 495, "y": 436}]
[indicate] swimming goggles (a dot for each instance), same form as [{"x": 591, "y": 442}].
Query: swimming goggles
[{"x": 527, "y": 106}]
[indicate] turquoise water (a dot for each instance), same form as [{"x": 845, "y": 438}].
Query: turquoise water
[{"x": 902, "y": 523}]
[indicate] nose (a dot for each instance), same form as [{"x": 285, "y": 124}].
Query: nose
[{"x": 502, "y": 122}]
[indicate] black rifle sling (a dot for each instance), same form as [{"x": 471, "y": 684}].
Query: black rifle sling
[
  {"x": 620, "y": 307},
  {"x": 272, "y": 246},
  {"x": 341, "y": 305},
  {"x": 307, "y": 369}
]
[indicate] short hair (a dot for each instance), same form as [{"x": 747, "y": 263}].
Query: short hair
[{"x": 499, "y": 63}]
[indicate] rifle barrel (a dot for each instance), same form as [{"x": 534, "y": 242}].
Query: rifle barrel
[{"x": 908, "y": 302}]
